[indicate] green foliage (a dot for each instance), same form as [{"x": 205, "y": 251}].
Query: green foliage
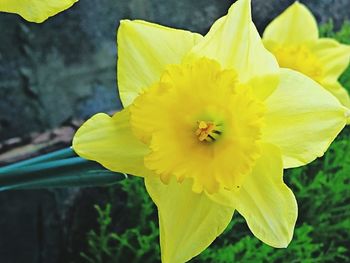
[
  {"x": 322, "y": 233},
  {"x": 342, "y": 35},
  {"x": 250, "y": 249},
  {"x": 137, "y": 241},
  {"x": 99, "y": 242}
]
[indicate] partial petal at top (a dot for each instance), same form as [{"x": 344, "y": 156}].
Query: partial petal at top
[
  {"x": 35, "y": 10},
  {"x": 295, "y": 25},
  {"x": 188, "y": 222},
  {"x": 144, "y": 50},
  {"x": 110, "y": 142},
  {"x": 302, "y": 118},
  {"x": 266, "y": 203},
  {"x": 234, "y": 41}
]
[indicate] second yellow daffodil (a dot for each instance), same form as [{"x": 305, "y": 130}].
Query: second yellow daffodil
[
  {"x": 294, "y": 39},
  {"x": 35, "y": 10},
  {"x": 210, "y": 123}
]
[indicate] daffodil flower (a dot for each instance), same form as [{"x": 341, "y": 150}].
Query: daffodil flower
[
  {"x": 35, "y": 10},
  {"x": 294, "y": 39},
  {"x": 209, "y": 123}
]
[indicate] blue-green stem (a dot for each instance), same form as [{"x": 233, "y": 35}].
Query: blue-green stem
[{"x": 58, "y": 169}]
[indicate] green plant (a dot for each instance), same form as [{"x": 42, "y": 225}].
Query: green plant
[
  {"x": 137, "y": 241},
  {"x": 99, "y": 242}
]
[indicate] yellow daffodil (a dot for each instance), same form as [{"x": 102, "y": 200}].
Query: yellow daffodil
[
  {"x": 209, "y": 123},
  {"x": 293, "y": 38},
  {"x": 35, "y": 10}
]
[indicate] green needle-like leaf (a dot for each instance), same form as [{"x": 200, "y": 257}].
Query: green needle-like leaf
[
  {"x": 50, "y": 171},
  {"x": 57, "y": 155}
]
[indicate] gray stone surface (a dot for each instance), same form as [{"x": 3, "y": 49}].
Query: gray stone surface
[
  {"x": 324, "y": 10},
  {"x": 65, "y": 68}
]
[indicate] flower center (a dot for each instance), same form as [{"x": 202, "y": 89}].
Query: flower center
[
  {"x": 207, "y": 131},
  {"x": 299, "y": 58},
  {"x": 200, "y": 124}
]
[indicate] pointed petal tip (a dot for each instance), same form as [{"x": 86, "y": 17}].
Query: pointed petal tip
[
  {"x": 245, "y": 5},
  {"x": 300, "y": 7},
  {"x": 313, "y": 125},
  {"x": 281, "y": 243},
  {"x": 236, "y": 32},
  {"x": 347, "y": 116},
  {"x": 124, "y": 23},
  {"x": 296, "y": 24},
  {"x": 269, "y": 220},
  {"x": 297, "y": 4},
  {"x": 189, "y": 222}
]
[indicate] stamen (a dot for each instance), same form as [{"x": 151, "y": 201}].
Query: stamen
[{"x": 207, "y": 131}]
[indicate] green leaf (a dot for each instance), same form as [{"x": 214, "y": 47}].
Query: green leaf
[
  {"x": 55, "y": 170},
  {"x": 57, "y": 155}
]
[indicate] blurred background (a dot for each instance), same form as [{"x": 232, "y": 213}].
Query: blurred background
[{"x": 56, "y": 74}]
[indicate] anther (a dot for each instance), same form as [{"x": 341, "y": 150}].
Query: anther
[{"x": 207, "y": 131}]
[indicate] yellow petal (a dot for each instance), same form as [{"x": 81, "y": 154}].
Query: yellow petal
[
  {"x": 110, "y": 142},
  {"x": 225, "y": 197},
  {"x": 234, "y": 41},
  {"x": 339, "y": 92},
  {"x": 144, "y": 50},
  {"x": 302, "y": 119},
  {"x": 295, "y": 25},
  {"x": 333, "y": 56},
  {"x": 35, "y": 10},
  {"x": 266, "y": 203},
  {"x": 189, "y": 222}
]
